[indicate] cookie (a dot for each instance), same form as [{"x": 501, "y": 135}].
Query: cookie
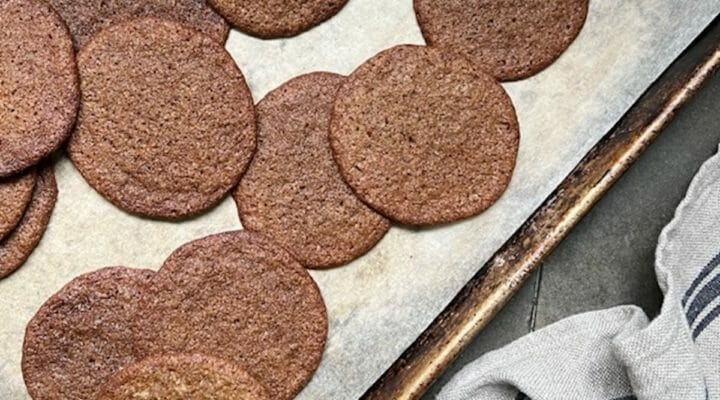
[
  {"x": 167, "y": 122},
  {"x": 21, "y": 241},
  {"x": 15, "y": 195},
  {"x": 276, "y": 18},
  {"x": 81, "y": 335},
  {"x": 39, "y": 91},
  {"x": 424, "y": 136},
  {"x": 292, "y": 192},
  {"x": 239, "y": 297},
  {"x": 510, "y": 39},
  {"x": 86, "y": 17},
  {"x": 182, "y": 377}
]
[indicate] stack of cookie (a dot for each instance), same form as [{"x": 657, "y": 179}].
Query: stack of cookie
[
  {"x": 160, "y": 121},
  {"x": 230, "y": 316}
]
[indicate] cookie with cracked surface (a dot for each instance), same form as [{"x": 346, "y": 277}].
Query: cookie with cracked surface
[
  {"x": 81, "y": 335},
  {"x": 276, "y": 18},
  {"x": 21, "y": 241},
  {"x": 86, "y": 17},
  {"x": 167, "y": 122},
  {"x": 292, "y": 191},
  {"x": 510, "y": 39},
  {"x": 181, "y": 377},
  {"x": 39, "y": 91},
  {"x": 424, "y": 136},
  {"x": 215, "y": 290},
  {"x": 15, "y": 194}
]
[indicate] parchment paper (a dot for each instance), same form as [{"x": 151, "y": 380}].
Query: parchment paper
[{"x": 379, "y": 304}]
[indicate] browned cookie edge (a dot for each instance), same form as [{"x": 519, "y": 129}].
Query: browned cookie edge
[
  {"x": 17, "y": 247},
  {"x": 21, "y": 189},
  {"x": 280, "y": 31}
]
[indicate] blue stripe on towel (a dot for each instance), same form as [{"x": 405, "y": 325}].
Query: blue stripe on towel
[
  {"x": 703, "y": 274},
  {"x": 706, "y": 321},
  {"x": 705, "y": 296}
]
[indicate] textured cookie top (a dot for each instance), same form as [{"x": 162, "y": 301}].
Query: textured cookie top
[
  {"x": 183, "y": 377},
  {"x": 276, "y": 18},
  {"x": 81, "y": 335},
  {"x": 167, "y": 123},
  {"x": 510, "y": 39},
  {"x": 292, "y": 191},
  {"x": 424, "y": 136},
  {"x": 86, "y": 17},
  {"x": 38, "y": 84},
  {"x": 239, "y": 297},
  {"x": 20, "y": 242},
  {"x": 15, "y": 195}
]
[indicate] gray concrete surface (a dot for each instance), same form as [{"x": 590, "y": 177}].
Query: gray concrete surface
[{"x": 608, "y": 259}]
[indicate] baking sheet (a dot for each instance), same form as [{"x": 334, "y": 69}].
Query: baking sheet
[{"x": 379, "y": 304}]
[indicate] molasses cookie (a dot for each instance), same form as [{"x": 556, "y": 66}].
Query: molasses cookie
[
  {"x": 424, "y": 136},
  {"x": 510, "y": 39},
  {"x": 167, "y": 123},
  {"x": 81, "y": 336},
  {"x": 39, "y": 91}
]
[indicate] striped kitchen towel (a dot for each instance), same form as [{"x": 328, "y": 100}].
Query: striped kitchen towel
[{"x": 617, "y": 354}]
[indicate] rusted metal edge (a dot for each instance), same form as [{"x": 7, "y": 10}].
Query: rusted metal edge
[{"x": 501, "y": 277}]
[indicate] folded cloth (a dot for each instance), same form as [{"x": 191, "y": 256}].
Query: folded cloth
[{"x": 617, "y": 354}]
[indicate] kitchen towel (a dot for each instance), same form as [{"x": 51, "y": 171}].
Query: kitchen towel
[{"x": 618, "y": 354}]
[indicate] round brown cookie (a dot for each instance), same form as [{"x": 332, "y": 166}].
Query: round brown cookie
[
  {"x": 15, "y": 195},
  {"x": 239, "y": 297},
  {"x": 424, "y": 136},
  {"x": 82, "y": 335},
  {"x": 86, "y": 17},
  {"x": 269, "y": 19},
  {"x": 292, "y": 191},
  {"x": 182, "y": 377},
  {"x": 510, "y": 39},
  {"x": 167, "y": 123},
  {"x": 21, "y": 241},
  {"x": 39, "y": 91}
]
